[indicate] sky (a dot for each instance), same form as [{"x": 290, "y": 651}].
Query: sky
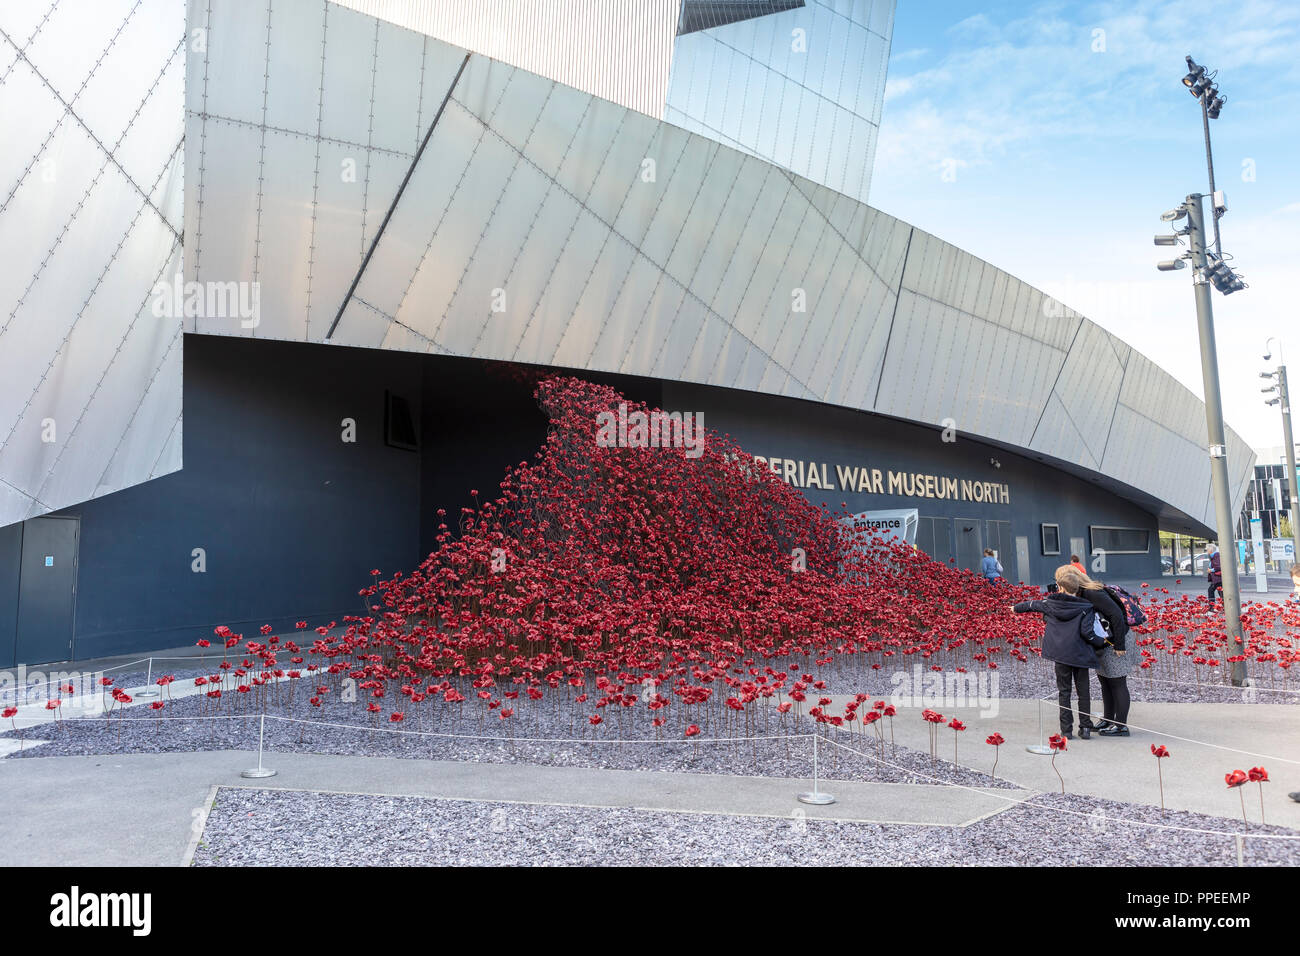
[{"x": 1066, "y": 131}]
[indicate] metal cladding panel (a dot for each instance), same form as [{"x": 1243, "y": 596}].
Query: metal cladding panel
[
  {"x": 93, "y": 101},
  {"x": 619, "y": 243},
  {"x": 619, "y": 50},
  {"x": 801, "y": 87}
]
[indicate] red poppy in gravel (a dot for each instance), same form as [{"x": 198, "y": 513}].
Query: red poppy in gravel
[
  {"x": 396, "y": 718},
  {"x": 995, "y": 740},
  {"x": 157, "y": 705},
  {"x": 1160, "y": 753},
  {"x": 315, "y": 701},
  {"x": 693, "y": 731},
  {"x": 595, "y": 720},
  {"x": 1259, "y": 776}
]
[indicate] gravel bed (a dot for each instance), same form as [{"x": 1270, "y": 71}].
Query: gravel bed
[
  {"x": 253, "y": 827},
  {"x": 137, "y": 730}
]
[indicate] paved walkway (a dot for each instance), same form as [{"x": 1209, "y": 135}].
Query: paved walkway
[
  {"x": 147, "y": 809},
  {"x": 1122, "y": 768}
]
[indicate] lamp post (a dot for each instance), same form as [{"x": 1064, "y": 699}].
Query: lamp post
[
  {"x": 1209, "y": 268},
  {"x": 1283, "y": 399}
]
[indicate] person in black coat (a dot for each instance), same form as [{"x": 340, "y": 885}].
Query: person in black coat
[{"x": 1065, "y": 645}]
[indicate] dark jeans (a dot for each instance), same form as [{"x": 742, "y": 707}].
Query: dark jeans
[
  {"x": 1212, "y": 588},
  {"x": 1114, "y": 699},
  {"x": 1078, "y": 676}
]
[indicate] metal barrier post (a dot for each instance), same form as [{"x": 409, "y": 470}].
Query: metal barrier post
[
  {"x": 259, "y": 770},
  {"x": 816, "y": 797},
  {"x": 1040, "y": 747}
]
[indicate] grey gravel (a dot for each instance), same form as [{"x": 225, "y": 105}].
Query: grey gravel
[
  {"x": 136, "y": 730},
  {"x": 254, "y": 827}
]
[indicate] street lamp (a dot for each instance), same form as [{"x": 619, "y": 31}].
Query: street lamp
[
  {"x": 1209, "y": 268},
  {"x": 1288, "y": 443}
]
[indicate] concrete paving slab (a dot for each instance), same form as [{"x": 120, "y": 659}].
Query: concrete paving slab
[
  {"x": 141, "y": 809},
  {"x": 1205, "y": 741}
]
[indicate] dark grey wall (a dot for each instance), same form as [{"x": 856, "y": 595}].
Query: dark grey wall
[
  {"x": 11, "y": 552},
  {"x": 291, "y": 517},
  {"x": 784, "y": 428}
]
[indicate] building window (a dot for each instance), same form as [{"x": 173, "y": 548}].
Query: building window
[
  {"x": 1120, "y": 540},
  {"x": 399, "y": 425},
  {"x": 1051, "y": 539}
]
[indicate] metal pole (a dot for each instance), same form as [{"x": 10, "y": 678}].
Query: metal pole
[
  {"x": 1209, "y": 162},
  {"x": 148, "y": 691},
  {"x": 1040, "y": 747},
  {"x": 259, "y": 770},
  {"x": 1293, "y": 492},
  {"x": 1214, "y": 429},
  {"x": 816, "y": 797}
]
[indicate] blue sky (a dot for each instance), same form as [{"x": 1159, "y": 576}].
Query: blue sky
[{"x": 1068, "y": 143}]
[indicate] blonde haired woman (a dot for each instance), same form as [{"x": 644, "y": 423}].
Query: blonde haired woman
[{"x": 1114, "y": 663}]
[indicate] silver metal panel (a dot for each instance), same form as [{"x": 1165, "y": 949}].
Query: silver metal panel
[
  {"x": 599, "y": 293},
  {"x": 488, "y": 281},
  {"x": 618, "y": 50},
  {"x": 755, "y": 234},
  {"x": 300, "y": 35},
  {"x": 228, "y": 214},
  {"x": 284, "y": 236},
  {"x": 566, "y": 282},
  {"x": 235, "y": 50},
  {"x": 616, "y": 340},
  {"x": 701, "y": 224},
  {"x": 418, "y": 217}
]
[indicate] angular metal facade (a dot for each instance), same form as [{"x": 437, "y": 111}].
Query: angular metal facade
[
  {"x": 802, "y": 88},
  {"x": 90, "y": 222},
  {"x": 619, "y": 50},
  {"x": 548, "y": 225}
]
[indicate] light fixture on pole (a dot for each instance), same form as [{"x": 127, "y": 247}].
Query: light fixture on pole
[
  {"x": 1288, "y": 442},
  {"x": 1209, "y": 268}
]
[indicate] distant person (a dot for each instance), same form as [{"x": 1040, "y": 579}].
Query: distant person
[
  {"x": 1114, "y": 663},
  {"x": 1078, "y": 565},
  {"x": 1214, "y": 574},
  {"x": 1294, "y": 596},
  {"x": 990, "y": 566},
  {"x": 1065, "y": 645}
]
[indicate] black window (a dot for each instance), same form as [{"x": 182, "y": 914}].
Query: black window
[
  {"x": 399, "y": 426},
  {"x": 1120, "y": 540},
  {"x": 1051, "y": 539}
]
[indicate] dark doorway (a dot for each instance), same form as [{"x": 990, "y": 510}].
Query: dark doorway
[
  {"x": 47, "y": 590},
  {"x": 970, "y": 543}
]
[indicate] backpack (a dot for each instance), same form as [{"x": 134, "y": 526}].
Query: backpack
[
  {"x": 1092, "y": 628},
  {"x": 1133, "y": 612}
]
